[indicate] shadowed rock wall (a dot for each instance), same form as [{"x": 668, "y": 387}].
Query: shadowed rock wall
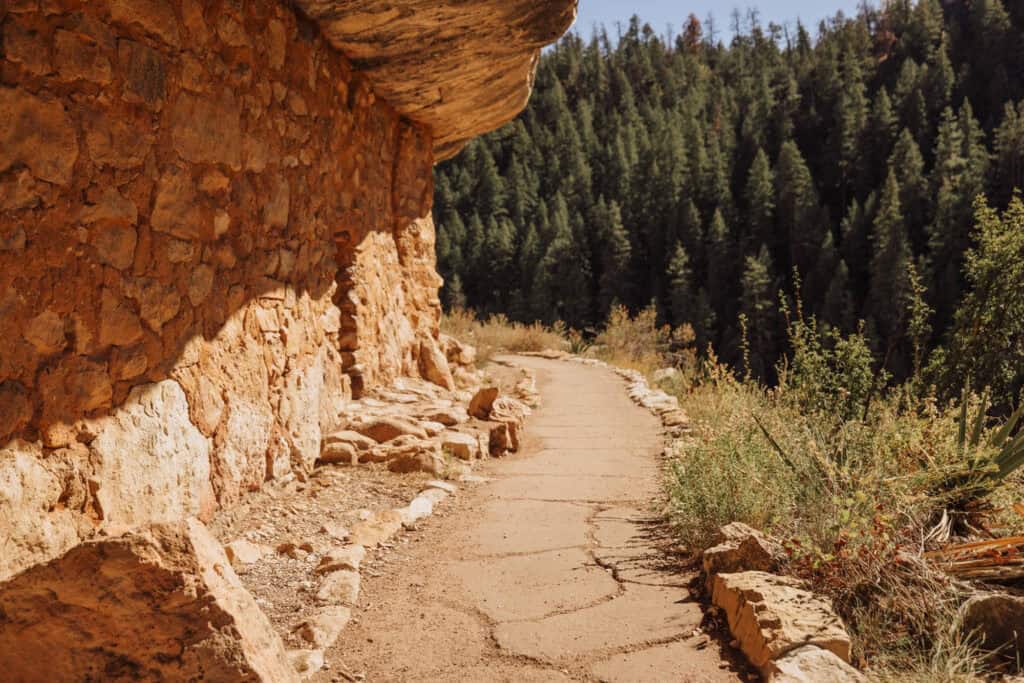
[{"x": 210, "y": 230}]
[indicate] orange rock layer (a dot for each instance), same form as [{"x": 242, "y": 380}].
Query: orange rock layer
[{"x": 212, "y": 231}]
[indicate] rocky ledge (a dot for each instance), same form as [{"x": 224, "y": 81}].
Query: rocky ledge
[{"x": 462, "y": 68}]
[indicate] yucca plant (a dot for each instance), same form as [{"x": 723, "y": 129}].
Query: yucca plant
[
  {"x": 1005, "y": 452},
  {"x": 984, "y": 463},
  {"x": 1010, "y": 453}
]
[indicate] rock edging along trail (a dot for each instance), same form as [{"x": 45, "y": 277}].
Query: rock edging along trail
[{"x": 554, "y": 570}]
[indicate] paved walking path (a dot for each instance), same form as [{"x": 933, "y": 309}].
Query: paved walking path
[{"x": 550, "y": 572}]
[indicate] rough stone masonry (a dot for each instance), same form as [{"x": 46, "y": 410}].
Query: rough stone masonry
[{"x": 214, "y": 233}]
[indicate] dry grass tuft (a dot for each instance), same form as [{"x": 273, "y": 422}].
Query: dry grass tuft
[{"x": 498, "y": 334}]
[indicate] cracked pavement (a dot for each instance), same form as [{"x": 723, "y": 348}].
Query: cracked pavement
[{"x": 553, "y": 571}]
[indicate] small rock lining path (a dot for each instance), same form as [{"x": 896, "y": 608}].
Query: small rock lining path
[{"x": 552, "y": 571}]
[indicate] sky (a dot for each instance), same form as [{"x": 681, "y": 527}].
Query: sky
[{"x": 660, "y": 13}]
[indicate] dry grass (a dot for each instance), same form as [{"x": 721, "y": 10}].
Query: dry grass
[
  {"x": 852, "y": 502},
  {"x": 859, "y": 484},
  {"x": 639, "y": 343},
  {"x": 498, "y": 334}
]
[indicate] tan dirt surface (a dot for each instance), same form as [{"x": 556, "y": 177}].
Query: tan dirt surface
[{"x": 556, "y": 570}]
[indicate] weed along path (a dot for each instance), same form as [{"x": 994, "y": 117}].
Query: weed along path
[{"x": 551, "y": 571}]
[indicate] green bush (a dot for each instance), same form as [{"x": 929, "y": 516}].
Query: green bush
[{"x": 854, "y": 480}]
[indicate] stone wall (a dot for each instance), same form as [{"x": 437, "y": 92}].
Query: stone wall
[{"x": 211, "y": 232}]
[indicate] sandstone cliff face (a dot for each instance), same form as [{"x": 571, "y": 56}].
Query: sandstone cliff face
[
  {"x": 214, "y": 232},
  {"x": 214, "y": 235},
  {"x": 461, "y": 67},
  {"x": 209, "y": 226}
]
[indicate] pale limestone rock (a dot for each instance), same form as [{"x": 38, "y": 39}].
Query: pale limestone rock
[
  {"x": 424, "y": 457},
  {"x": 418, "y": 508},
  {"x": 243, "y": 552},
  {"x": 335, "y": 531},
  {"x": 434, "y": 494},
  {"x": 810, "y": 664},
  {"x": 384, "y": 429},
  {"x": 458, "y": 353},
  {"x": 449, "y": 416},
  {"x": 442, "y": 485},
  {"x": 434, "y": 365},
  {"x": 243, "y": 439},
  {"x": 462, "y": 446},
  {"x": 164, "y": 598},
  {"x": 299, "y": 410},
  {"x": 741, "y": 548},
  {"x": 37, "y": 529},
  {"x": 306, "y": 662},
  {"x": 339, "y": 453},
  {"x": 152, "y": 464},
  {"x": 770, "y": 615},
  {"x": 432, "y": 428},
  {"x": 376, "y": 529},
  {"x": 354, "y": 439},
  {"x": 348, "y": 557},
  {"x": 322, "y": 629},
  {"x": 339, "y": 588}
]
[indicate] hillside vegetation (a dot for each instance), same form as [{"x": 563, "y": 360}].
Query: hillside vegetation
[{"x": 845, "y": 167}]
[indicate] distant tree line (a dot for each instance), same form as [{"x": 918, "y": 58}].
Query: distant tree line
[{"x": 707, "y": 178}]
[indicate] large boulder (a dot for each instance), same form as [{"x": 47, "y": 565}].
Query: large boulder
[
  {"x": 996, "y": 621},
  {"x": 770, "y": 615},
  {"x": 157, "y": 604}
]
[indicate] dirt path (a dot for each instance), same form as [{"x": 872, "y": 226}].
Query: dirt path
[{"x": 550, "y": 572}]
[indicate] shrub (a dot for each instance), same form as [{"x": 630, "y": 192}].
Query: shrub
[
  {"x": 829, "y": 373},
  {"x": 639, "y": 343},
  {"x": 497, "y": 334},
  {"x": 857, "y": 482}
]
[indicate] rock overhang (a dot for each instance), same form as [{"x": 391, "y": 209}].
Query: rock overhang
[{"x": 460, "y": 67}]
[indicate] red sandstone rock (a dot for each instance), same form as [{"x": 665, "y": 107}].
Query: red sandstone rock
[
  {"x": 38, "y": 133},
  {"x": 483, "y": 400}
]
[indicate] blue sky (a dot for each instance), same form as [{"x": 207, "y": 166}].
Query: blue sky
[{"x": 660, "y": 13}]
